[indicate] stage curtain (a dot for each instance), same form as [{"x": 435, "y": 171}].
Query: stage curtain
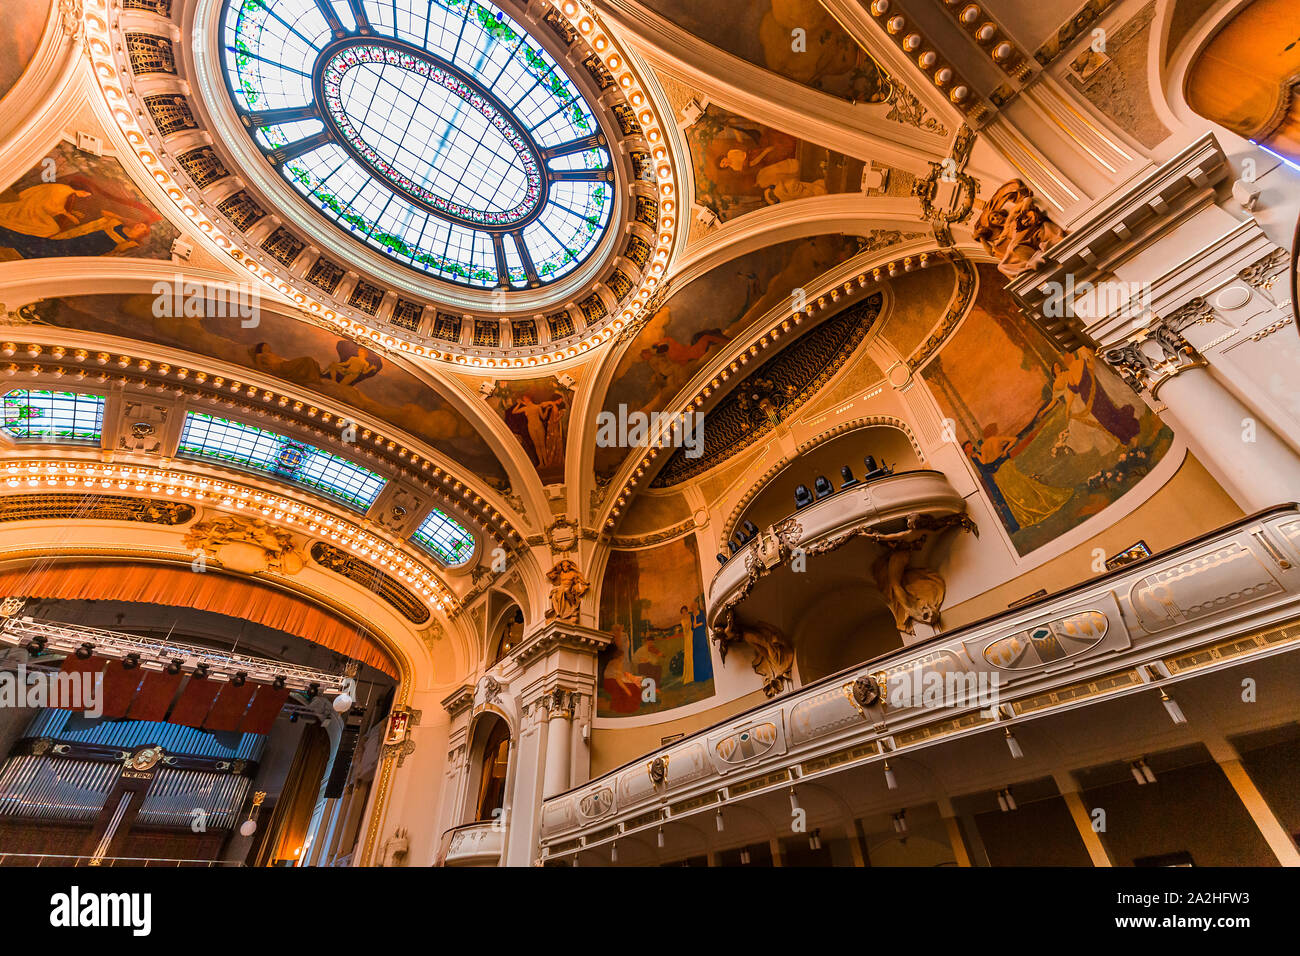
[{"x": 209, "y": 591}]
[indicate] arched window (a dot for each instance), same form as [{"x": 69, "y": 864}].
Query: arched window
[
  {"x": 493, "y": 765},
  {"x": 509, "y": 633}
]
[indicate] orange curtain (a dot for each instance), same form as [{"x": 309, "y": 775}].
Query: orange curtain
[{"x": 210, "y": 591}]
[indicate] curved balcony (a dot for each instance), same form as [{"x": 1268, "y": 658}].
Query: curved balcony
[
  {"x": 880, "y": 505},
  {"x": 474, "y": 844},
  {"x": 1161, "y": 623}
]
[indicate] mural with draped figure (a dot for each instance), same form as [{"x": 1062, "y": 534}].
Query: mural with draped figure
[
  {"x": 1055, "y": 437},
  {"x": 295, "y": 351},
  {"x": 742, "y": 165},
  {"x": 536, "y": 410},
  {"x": 73, "y": 203},
  {"x": 652, "y": 605}
]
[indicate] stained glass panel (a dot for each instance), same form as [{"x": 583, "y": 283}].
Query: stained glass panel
[{"x": 438, "y": 118}]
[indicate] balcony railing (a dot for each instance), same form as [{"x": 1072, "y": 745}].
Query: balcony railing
[
  {"x": 473, "y": 844},
  {"x": 1218, "y": 600},
  {"x": 874, "y": 504}
]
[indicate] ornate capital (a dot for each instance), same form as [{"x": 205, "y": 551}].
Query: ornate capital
[{"x": 1156, "y": 354}]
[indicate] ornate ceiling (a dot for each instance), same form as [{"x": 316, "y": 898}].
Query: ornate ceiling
[{"x": 470, "y": 230}]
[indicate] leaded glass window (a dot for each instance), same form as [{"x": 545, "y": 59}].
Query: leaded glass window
[
  {"x": 247, "y": 446},
  {"x": 41, "y": 415},
  {"x": 437, "y": 132},
  {"x": 444, "y": 537}
]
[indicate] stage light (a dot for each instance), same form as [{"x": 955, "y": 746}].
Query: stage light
[
  {"x": 130, "y": 662},
  {"x": 660, "y": 838},
  {"x": 721, "y": 823},
  {"x": 239, "y": 679},
  {"x": 794, "y": 801},
  {"x": 815, "y": 840},
  {"x": 312, "y": 691},
  {"x": 744, "y": 857},
  {"x": 1171, "y": 705},
  {"x": 174, "y": 667},
  {"x": 85, "y": 651},
  {"x": 201, "y": 672},
  {"x": 1013, "y": 745},
  {"x": 278, "y": 683},
  {"x": 890, "y": 780},
  {"x": 613, "y": 852}
]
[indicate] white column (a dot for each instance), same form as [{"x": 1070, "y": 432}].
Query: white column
[
  {"x": 559, "y": 736},
  {"x": 1255, "y": 466}
]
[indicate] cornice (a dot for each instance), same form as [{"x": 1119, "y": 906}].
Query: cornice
[
  {"x": 556, "y": 635},
  {"x": 27, "y": 468}
]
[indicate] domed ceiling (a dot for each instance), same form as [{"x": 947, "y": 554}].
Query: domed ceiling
[{"x": 455, "y": 146}]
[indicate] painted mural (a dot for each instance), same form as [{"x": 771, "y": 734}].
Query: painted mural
[
  {"x": 706, "y": 314},
  {"x": 652, "y": 605},
  {"x": 741, "y": 165},
  {"x": 797, "y": 39},
  {"x": 1054, "y": 436},
  {"x": 73, "y": 203},
  {"x": 20, "y": 35},
  {"x": 536, "y": 411},
  {"x": 295, "y": 351}
]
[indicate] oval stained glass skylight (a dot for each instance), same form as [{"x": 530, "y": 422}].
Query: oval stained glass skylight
[{"x": 438, "y": 133}]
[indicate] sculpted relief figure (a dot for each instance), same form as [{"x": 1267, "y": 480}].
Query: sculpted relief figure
[
  {"x": 1015, "y": 228},
  {"x": 773, "y": 653},
  {"x": 912, "y": 594},
  {"x": 248, "y": 545},
  {"x": 567, "y": 588}
]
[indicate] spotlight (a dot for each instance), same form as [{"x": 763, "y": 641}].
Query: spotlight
[
  {"x": 201, "y": 672},
  {"x": 613, "y": 852},
  {"x": 174, "y": 667},
  {"x": 660, "y": 838},
  {"x": 721, "y": 823},
  {"x": 239, "y": 679},
  {"x": 1005, "y": 800},
  {"x": 278, "y": 683},
  {"x": 85, "y": 651},
  {"x": 744, "y": 857},
  {"x": 312, "y": 692},
  {"x": 130, "y": 662},
  {"x": 900, "y": 821},
  {"x": 890, "y": 780},
  {"x": 1002, "y": 802},
  {"x": 794, "y": 801},
  {"x": 1013, "y": 745},
  {"x": 815, "y": 840},
  {"x": 1171, "y": 705},
  {"x": 1136, "y": 771},
  {"x": 36, "y": 647}
]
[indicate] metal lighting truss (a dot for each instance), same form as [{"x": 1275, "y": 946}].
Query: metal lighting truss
[{"x": 156, "y": 655}]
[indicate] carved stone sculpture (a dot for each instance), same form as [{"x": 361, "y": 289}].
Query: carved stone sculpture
[
  {"x": 248, "y": 545},
  {"x": 912, "y": 594},
  {"x": 567, "y": 589},
  {"x": 1015, "y": 228},
  {"x": 773, "y": 653}
]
